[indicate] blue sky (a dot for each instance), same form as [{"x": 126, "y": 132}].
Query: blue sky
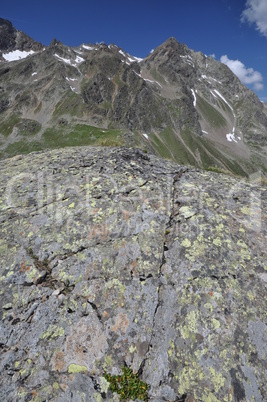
[{"x": 234, "y": 31}]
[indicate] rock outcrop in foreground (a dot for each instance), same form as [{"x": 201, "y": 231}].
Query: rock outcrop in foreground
[{"x": 112, "y": 257}]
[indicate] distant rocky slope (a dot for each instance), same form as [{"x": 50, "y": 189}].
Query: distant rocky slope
[
  {"x": 112, "y": 257},
  {"x": 176, "y": 103}
]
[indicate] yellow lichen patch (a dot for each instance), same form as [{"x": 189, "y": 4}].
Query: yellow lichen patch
[
  {"x": 116, "y": 283},
  {"x": 250, "y": 295},
  {"x": 97, "y": 397},
  {"x": 186, "y": 243},
  {"x": 220, "y": 227},
  {"x": 22, "y": 392},
  {"x": 191, "y": 319},
  {"x": 210, "y": 201},
  {"x": 245, "y": 210},
  {"x": 171, "y": 349},
  {"x": 65, "y": 277},
  {"x": 108, "y": 363},
  {"x": 132, "y": 349},
  {"x": 208, "y": 307},
  {"x": 76, "y": 368},
  {"x": 217, "y": 241},
  {"x": 22, "y": 372},
  {"x": 191, "y": 325},
  {"x": 210, "y": 397},
  {"x": 32, "y": 273},
  {"x": 52, "y": 332},
  {"x": 215, "y": 323},
  {"x": 104, "y": 384},
  {"x": 188, "y": 377},
  {"x": 187, "y": 212},
  {"x": 217, "y": 379}
]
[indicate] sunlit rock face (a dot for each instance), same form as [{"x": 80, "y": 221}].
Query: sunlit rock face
[{"x": 113, "y": 257}]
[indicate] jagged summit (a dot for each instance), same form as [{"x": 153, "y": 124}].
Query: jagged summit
[
  {"x": 7, "y": 34},
  {"x": 173, "y": 43},
  {"x": 176, "y": 102},
  {"x": 12, "y": 39}
]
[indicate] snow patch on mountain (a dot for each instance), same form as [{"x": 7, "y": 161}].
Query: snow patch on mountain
[
  {"x": 131, "y": 59},
  {"x": 188, "y": 59},
  {"x": 153, "y": 82},
  {"x": 206, "y": 78},
  {"x": 214, "y": 79},
  {"x": 210, "y": 78},
  {"x": 88, "y": 47},
  {"x": 79, "y": 59},
  {"x": 17, "y": 55},
  {"x": 67, "y": 61},
  {"x": 231, "y": 137},
  {"x": 74, "y": 63},
  {"x": 225, "y": 101},
  {"x": 121, "y": 52},
  {"x": 195, "y": 99}
]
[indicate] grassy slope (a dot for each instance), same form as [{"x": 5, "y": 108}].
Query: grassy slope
[{"x": 59, "y": 137}]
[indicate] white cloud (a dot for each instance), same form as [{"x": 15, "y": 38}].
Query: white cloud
[
  {"x": 256, "y": 13},
  {"x": 246, "y": 75}
]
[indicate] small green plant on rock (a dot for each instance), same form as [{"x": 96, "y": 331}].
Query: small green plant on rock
[{"x": 127, "y": 385}]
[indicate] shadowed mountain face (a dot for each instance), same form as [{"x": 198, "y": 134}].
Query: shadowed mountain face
[
  {"x": 11, "y": 39},
  {"x": 176, "y": 103}
]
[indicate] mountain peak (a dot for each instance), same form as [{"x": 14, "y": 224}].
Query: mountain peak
[
  {"x": 173, "y": 44},
  {"x": 12, "y": 39},
  {"x": 170, "y": 48},
  {"x": 6, "y": 22},
  {"x": 171, "y": 41},
  {"x": 7, "y": 35}
]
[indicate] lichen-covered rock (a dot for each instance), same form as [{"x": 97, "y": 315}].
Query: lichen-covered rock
[{"x": 112, "y": 257}]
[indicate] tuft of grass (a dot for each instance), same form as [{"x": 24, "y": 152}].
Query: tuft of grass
[
  {"x": 217, "y": 169},
  {"x": 128, "y": 385}
]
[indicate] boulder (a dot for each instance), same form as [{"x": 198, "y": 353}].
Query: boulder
[{"x": 111, "y": 257}]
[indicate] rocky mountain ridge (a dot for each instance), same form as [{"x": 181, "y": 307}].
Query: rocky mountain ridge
[{"x": 177, "y": 103}]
